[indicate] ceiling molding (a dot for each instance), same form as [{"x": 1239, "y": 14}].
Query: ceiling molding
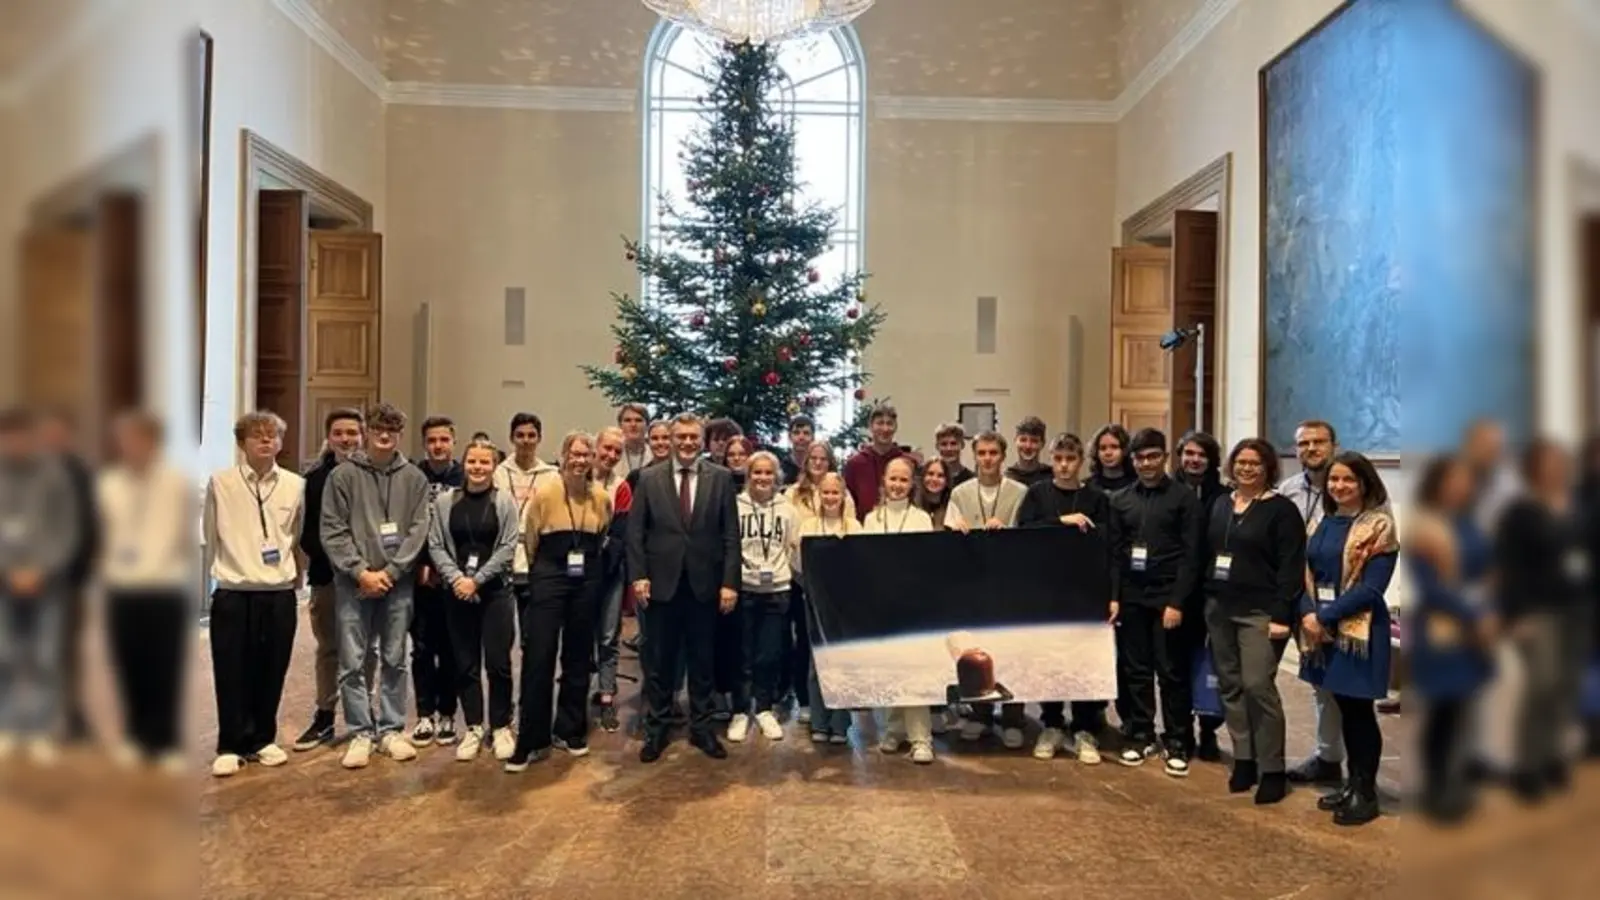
[
  {"x": 1212, "y": 13},
  {"x": 993, "y": 109},
  {"x": 511, "y": 96},
  {"x": 89, "y": 22},
  {"x": 324, "y": 35}
]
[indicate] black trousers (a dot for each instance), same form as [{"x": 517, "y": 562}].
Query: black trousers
[
  {"x": 557, "y": 624},
  {"x": 1443, "y": 727},
  {"x": 1363, "y": 739},
  {"x": 727, "y": 669},
  {"x": 1086, "y": 715},
  {"x": 433, "y": 664},
  {"x": 763, "y": 619},
  {"x": 1151, "y": 656},
  {"x": 150, "y": 649},
  {"x": 682, "y": 639},
  {"x": 252, "y": 637},
  {"x": 796, "y": 674},
  {"x": 481, "y": 636}
]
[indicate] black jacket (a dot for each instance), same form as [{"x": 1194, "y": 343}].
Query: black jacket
[
  {"x": 86, "y": 506},
  {"x": 319, "y": 572},
  {"x": 1167, "y": 520},
  {"x": 667, "y": 550},
  {"x": 1039, "y": 474}
]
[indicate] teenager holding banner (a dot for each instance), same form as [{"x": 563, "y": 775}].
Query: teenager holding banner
[
  {"x": 1257, "y": 545},
  {"x": 833, "y": 519},
  {"x": 1066, "y": 502},
  {"x": 805, "y": 496},
  {"x": 766, "y": 525},
  {"x": 989, "y": 501},
  {"x": 1158, "y": 529},
  {"x": 896, "y": 515}
]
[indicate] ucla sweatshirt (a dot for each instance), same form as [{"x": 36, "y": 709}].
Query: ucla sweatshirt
[{"x": 767, "y": 533}]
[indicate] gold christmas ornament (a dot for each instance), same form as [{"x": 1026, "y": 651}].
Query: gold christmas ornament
[
  {"x": 629, "y": 373},
  {"x": 759, "y": 310},
  {"x": 659, "y": 350},
  {"x": 794, "y": 407}
]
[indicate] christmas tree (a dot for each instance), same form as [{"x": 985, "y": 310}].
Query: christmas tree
[{"x": 737, "y": 321}]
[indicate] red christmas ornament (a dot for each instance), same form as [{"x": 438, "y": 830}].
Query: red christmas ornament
[
  {"x": 730, "y": 364},
  {"x": 861, "y": 393},
  {"x": 804, "y": 339},
  {"x": 852, "y": 312},
  {"x": 631, "y": 255},
  {"x": 771, "y": 379},
  {"x": 812, "y": 400},
  {"x": 698, "y": 320},
  {"x": 720, "y": 255},
  {"x": 785, "y": 354},
  {"x": 618, "y": 356},
  {"x": 813, "y": 276}
]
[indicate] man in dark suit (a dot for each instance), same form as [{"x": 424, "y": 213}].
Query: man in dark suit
[{"x": 683, "y": 551}]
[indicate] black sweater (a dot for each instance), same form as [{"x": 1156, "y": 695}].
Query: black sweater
[
  {"x": 1167, "y": 521},
  {"x": 1268, "y": 545},
  {"x": 1541, "y": 560},
  {"x": 1030, "y": 476},
  {"x": 319, "y": 573}
]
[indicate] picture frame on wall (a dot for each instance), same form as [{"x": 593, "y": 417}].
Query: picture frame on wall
[{"x": 976, "y": 418}]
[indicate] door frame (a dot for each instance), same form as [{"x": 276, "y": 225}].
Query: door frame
[
  {"x": 268, "y": 166},
  {"x": 1150, "y": 222}
]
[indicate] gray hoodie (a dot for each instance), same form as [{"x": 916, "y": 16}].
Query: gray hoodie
[
  {"x": 442, "y": 546},
  {"x": 359, "y": 498},
  {"x": 39, "y": 527}
]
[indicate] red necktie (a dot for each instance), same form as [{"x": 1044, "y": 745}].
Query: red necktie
[{"x": 684, "y": 504}]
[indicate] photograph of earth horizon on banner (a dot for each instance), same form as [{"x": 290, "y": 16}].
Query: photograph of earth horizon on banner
[{"x": 1021, "y": 664}]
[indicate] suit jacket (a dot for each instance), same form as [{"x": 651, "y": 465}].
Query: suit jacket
[{"x": 665, "y": 549}]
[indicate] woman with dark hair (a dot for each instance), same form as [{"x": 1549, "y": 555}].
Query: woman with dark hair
[
  {"x": 932, "y": 491},
  {"x": 1344, "y": 625},
  {"x": 1197, "y": 464},
  {"x": 1108, "y": 467},
  {"x": 1542, "y": 573},
  {"x": 1255, "y": 567},
  {"x": 1450, "y": 630}
]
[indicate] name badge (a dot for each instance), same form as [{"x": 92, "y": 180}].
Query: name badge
[
  {"x": 1223, "y": 568},
  {"x": 1325, "y": 594},
  {"x": 575, "y": 564},
  {"x": 389, "y": 535},
  {"x": 766, "y": 578},
  {"x": 1577, "y": 565},
  {"x": 471, "y": 565},
  {"x": 1140, "y": 558},
  {"x": 270, "y": 555}
]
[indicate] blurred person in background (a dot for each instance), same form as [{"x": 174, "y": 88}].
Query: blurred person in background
[
  {"x": 802, "y": 432},
  {"x": 1495, "y": 478},
  {"x": 1589, "y": 508},
  {"x": 1542, "y": 575},
  {"x": 58, "y": 430},
  {"x": 40, "y": 533},
  {"x": 736, "y": 456},
  {"x": 610, "y": 448},
  {"x": 344, "y": 433},
  {"x": 632, "y": 419},
  {"x": 147, "y": 517},
  {"x": 1029, "y": 469},
  {"x": 1197, "y": 465},
  {"x": 433, "y": 664},
  {"x": 254, "y": 512},
  {"x": 1451, "y": 632},
  {"x": 718, "y": 433},
  {"x": 948, "y": 442},
  {"x": 1344, "y": 626}
]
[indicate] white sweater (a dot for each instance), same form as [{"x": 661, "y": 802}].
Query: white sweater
[
  {"x": 816, "y": 526},
  {"x": 896, "y": 517},
  {"x": 767, "y": 533},
  {"x": 973, "y": 503}
]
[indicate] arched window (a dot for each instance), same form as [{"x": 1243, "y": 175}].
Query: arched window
[{"x": 821, "y": 90}]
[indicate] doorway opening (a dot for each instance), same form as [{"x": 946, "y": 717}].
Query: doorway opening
[{"x": 314, "y": 281}]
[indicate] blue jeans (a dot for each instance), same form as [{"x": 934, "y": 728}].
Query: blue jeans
[
  {"x": 360, "y": 619},
  {"x": 30, "y": 663}
]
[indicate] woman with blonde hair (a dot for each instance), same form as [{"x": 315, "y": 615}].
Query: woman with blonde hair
[
  {"x": 804, "y": 497},
  {"x": 833, "y": 519},
  {"x": 804, "y": 493}
]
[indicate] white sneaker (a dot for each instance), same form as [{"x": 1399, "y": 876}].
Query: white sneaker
[
  {"x": 505, "y": 744},
  {"x": 771, "y": 728},
  {"x": 922, "y": 752},
  {"x": 1049, "y": 740},
  {"x": 803, "y": 715},
  {"x": 891, "y": 743},
  {"x": 1135, "y": 756},
  {"x": 126, "y": 756},
  {"x": 422, "y": 732},
  {"x": 1011, "y": 738},
  {"x": 225, "y": 765},
  {"x": 1087, "y": 748},
  {"x": 738, "y": 728},
  {"x": 358, "y": 753},
  {"x": 173, "y": 763},
  {"x": 395, "y": 746},
  {"x": 271, "y": 755},
  {"x": 973, "y": 730},
  {"x": 42, "y": 752},
  {"x": 467, "y": 750}
]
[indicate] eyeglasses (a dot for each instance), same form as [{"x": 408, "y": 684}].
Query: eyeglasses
[{"x": 1150, "y": 456}]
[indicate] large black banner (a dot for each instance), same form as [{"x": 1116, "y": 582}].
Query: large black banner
[{"x": 1010, "y": 616}]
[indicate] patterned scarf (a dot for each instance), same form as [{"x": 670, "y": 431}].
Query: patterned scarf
[{"x": 1371, "y": 534}]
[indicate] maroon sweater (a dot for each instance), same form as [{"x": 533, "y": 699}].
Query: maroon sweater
[{"x": 863, "y": 472}]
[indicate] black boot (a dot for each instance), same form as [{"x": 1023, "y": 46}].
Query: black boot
[
  {"x": 1244, "y": 776},
  {"x": 1336, "y": 799},
  {"x": 1208, "y": 749},
  {"x": 1362, "y": 806},
  {"x": 1273, "y": 788}
]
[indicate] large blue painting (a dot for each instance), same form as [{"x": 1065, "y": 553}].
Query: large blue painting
[{"x": 1398, "y": 173}]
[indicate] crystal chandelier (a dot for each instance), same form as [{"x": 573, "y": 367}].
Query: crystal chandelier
[{"x": 759, "y": 21}]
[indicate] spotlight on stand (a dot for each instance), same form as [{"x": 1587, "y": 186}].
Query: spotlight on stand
[{"x": 1174, "y": 340}]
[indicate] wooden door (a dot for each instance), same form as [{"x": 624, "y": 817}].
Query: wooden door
[
  {"x": 343, "y": 318},
  {"x": 280, "y": 305},
  {"x": 1194, "y": 300},
  {"x": 56, "y": 319},
  {"x": 120, "y": 326},
  {"x": 1141, "y": 312}
]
